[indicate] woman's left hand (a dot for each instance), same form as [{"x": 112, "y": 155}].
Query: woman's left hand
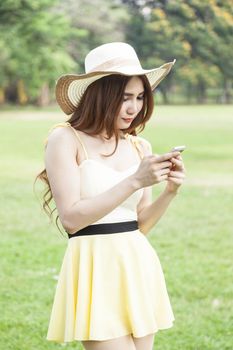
[{"x": 177, "y": 174}]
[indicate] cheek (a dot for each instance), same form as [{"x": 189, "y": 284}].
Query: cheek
[
  {"x": 140, "y": 105},
  {"x": 123, "y": 109}
]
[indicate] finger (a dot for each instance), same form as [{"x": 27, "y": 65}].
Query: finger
[
  {"x": 163, "y": 171},
  {"x": 177, "y": 162},
  {"x": 179, "y": 157},
  {"x": 163, "y": 165},
  {"x": 163, "y": 178},
  {"x": 176, "y": 174},
  {"x": 175, "y": 180},
  {"x": 166, "y": 156}
]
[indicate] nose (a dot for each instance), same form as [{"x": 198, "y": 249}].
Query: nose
[{"x": 133, "y": 107}]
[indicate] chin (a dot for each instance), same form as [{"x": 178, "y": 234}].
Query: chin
[
  {"x": 124, "y": 126},
  {"x": 124, "y": 130}
]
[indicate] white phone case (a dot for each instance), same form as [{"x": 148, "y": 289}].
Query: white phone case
[{"x": 178, "y": 148}]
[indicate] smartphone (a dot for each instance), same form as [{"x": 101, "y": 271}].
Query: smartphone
[{"x": 178, "y": 148}]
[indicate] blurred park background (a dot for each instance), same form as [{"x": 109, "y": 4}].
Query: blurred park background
[{"x": 39, "y": 41}]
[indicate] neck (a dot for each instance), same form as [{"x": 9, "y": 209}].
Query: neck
[{"x": 103, "y": 135}]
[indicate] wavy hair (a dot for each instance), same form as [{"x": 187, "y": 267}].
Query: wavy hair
[{"x": 96, "y": 113}]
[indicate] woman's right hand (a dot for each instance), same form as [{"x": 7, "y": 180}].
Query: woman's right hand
[{"x": 154, "y": 169}]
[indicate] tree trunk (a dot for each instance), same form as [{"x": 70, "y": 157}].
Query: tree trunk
[
  {"x": 2, "y": 96},
  {"x": 21, "y": 93},
  {"x": 201, "y": 92},
  {"x": 227, "y": 87},
  {"x": 188, "y": 93},
  {"x": 44, "y": 97}
]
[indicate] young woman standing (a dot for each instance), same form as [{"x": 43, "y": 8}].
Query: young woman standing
[{"x": 111, "y": 292}]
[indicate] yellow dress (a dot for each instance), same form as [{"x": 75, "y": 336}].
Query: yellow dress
[{"x": 109, "y": 285}]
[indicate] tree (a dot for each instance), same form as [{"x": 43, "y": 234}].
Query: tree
[
  {"x": 49, "y": 38},
  {"x": 98, "y": 21},
  {"x": 36, "y": 54},
  {"x": 198, "y": 34}
]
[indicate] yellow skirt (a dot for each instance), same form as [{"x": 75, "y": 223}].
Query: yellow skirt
[{"x": 109, "y": 285}]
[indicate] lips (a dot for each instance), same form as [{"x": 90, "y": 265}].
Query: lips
[{"x": 128, "y": 120}]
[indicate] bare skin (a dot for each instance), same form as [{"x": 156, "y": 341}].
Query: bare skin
[
  {"x": 63, "y": 157},
  {"x": 127, "y": 342}
]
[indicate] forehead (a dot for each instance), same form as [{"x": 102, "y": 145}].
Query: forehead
[{"x": 134, "y": 85}]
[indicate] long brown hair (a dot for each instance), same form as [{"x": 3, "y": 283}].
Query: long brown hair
[{"x": 97, "y": 112}]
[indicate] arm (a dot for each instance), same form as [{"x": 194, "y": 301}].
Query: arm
[
  {"x": 150, "y": 212},
  {"x": 64, "y": 178}
]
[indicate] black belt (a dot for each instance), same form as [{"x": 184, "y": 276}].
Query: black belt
[{"x": 107, "y": 228}]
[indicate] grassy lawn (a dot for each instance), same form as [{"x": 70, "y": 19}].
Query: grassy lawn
[{"x": 194, "y": 240}]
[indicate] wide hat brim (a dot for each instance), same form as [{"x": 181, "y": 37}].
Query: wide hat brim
[{"x": 71, "y": 87}]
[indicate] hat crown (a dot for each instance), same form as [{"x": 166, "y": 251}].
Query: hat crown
[
  {"x": 108, "y": 56},
  {"x": 105, "y": 60}
]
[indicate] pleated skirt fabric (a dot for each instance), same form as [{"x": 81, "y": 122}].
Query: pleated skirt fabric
[{"x": 109, "y": 285}]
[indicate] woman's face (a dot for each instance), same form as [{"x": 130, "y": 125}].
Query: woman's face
[{"x": 132, "y": 103}]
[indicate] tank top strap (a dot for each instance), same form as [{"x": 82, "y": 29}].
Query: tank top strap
[
  {"x": 67, "y": 124},
  {"x": 136, "y": 143},
  {"x": 79, "y": 138},
  {"x": 52, "y": 128}
]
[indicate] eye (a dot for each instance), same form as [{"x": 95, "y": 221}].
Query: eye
[{"x": 139, "y": 98}]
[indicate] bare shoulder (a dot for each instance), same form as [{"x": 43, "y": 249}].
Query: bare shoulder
[
  {"x": 60, "y": 137},
  {"x": 145, "y": 144},
  {"x": 60, "y": 147}
]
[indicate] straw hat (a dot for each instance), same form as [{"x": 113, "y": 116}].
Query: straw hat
[{"x": 107, "y": 59}]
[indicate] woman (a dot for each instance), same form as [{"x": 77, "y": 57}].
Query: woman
[{"x": 111, "y": 292}]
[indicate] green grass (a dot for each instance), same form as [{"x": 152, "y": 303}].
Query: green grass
[{"x": 194, "y": 239}]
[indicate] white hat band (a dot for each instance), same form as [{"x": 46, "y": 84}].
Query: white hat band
[{"x": 114, "y": 64}]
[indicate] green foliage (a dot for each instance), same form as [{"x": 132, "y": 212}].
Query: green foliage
[
  {"x": 101, "y": 21},
  {"x": 44, "y": 57},
  {"x": 40, "y": 40},
  {"x": 15, "y": 11},
  {"x": 198, "y": 34},
  {"x": 51, "y": 37}
]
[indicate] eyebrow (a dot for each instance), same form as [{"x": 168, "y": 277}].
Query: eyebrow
[{"x": 129, "y": 94}]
